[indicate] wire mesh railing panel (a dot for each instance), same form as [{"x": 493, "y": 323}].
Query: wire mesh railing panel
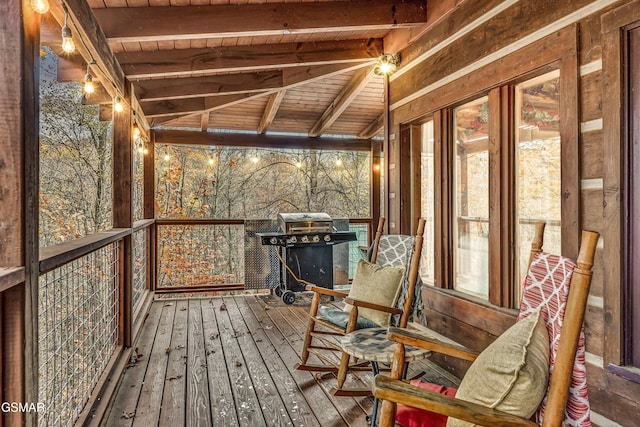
[
  {"x": 78, "y": 332},
  {"x": 139, "y": 266},
  {"x": 200, "y": 255}
]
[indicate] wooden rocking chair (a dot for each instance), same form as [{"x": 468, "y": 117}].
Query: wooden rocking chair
[
  {"x": 326, "y": 325},
  {"x": 555, "y": 292}
]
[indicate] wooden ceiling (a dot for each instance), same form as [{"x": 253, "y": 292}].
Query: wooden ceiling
[{"x": 302, "y": 67}]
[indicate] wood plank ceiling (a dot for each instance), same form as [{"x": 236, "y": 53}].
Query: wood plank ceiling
[{"x": 303, "y": 67}]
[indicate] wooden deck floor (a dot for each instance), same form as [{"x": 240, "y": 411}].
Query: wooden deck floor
[{"x": 228, "y": 361}]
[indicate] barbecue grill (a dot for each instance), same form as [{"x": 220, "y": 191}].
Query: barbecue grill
[{"x": 305, "y": 244}]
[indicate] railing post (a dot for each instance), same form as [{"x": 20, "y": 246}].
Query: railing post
[{"x": 123, "y": 212}]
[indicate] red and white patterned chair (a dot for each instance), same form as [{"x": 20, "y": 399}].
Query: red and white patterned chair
[{"x": 555, "y": 286}]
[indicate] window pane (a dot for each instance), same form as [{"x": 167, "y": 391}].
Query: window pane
[
  {"x": 427, "y": 203},
  {"x": 471, "y": 208},
  {"x": 538, "y": 183}
]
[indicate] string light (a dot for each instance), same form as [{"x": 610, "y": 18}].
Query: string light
[
  {"x": 89, "y": 88},
  {"x": 298, "y": 164},
  {"x": 68, "y": 46},
  {"x": 255, "y": 159},
  {"x": 167, "y": 157},
  {"x": 211, "y": 162},
  {"x": 40, "y": 6},
  {"x": 136, "y": 130},
  {"x": 117, "y": 104},
  {"x": 145, "y": 151},
  {"x": 339, "y": 162}
]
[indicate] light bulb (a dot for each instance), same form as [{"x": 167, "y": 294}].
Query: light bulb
[
  {"x": 211, "y": 162},
  {"x": 117, "y": 105},
  {"x": 298, "y": 165},
  {"x": 145, "y": 151},
  {"x": 141, "y": 150},
  {"x": 136, "y": 131},
  {"x": 68, "y": 46},
  {"x": 166, "y": 157},
  {"x": 338, "y": 162},
  {"x": 88, "y": 84},
  {"x": 254, "y": 159},
  {"x": 40, "y": 6}
]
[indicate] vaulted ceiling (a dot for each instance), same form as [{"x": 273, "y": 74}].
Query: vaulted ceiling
[{"x": 301, "y": 66}]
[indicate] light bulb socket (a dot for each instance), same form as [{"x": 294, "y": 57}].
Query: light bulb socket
[{"x": 66, "y": 31}]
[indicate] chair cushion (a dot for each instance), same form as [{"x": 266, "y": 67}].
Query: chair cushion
[
  {"x": 408, "y": 416},
  {"x": 546, "y": 287},
  {"x": 340, "y": 318},
  {"x": 512, "y": 373},
  {"x": 378, "y": 285}
]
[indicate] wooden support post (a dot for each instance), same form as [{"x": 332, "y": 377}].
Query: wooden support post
[
  {"x": 376, "y": 169},
  {"x": 123, "y": 212},
  {"x": 19, "y": 79}
]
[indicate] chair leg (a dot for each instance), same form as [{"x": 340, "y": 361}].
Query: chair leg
[
  {"x": 313, "y": 311},
  {"x": 344, "y": 368}
]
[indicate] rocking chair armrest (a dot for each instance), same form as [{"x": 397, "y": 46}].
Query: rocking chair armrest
[
  {"x": 431, "y": 340},
  {"x": 401, "y": 392},
  {"x": 373, "y": 306},
  {"x": 325, "y": 291}
]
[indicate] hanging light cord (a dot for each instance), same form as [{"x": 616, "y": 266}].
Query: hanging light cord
[{"x": 289, "y": 268}]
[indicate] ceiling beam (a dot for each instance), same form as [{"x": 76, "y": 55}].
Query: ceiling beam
[
  {"x": 166, "y": 136},
  {"x": 224, "y": 84},
  {"x": 227, "y": 59},
  {"x": 204, "y": 121},
  {"x": 227, "y": 84},
  {"x": 373, "y": 128},
  {"x": 358, "y": 82},
  {"x": 300, "y": 76},
  {"x": 270, "y": 110},
  {"x": 159, "y": 23},
  {"x": 172, "y": 107}
]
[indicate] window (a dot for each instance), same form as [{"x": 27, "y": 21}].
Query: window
[
  {"x": 471, "y": 199},
  {"x": 427, "y": 204},
  {"x": 538, "y": 164}
]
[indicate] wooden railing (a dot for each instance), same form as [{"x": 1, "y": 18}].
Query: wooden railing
[{"x": 83, "y": 317}]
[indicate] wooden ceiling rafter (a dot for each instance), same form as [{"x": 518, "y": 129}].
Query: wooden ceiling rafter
[
  {"x": 373, "y": 128},
  {"x": 248, "y": 58},
  {"x": 353, "y": 88},
  {"x": 182, "y": 107},
  {"x": 160, "y": 23},
  {"x": 271, "y": 110}
]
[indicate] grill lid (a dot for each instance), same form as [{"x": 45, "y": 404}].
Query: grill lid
[{"x": 301, "y": 223}]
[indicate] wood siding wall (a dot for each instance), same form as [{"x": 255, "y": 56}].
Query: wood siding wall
[{"x": 450, "y": 53}]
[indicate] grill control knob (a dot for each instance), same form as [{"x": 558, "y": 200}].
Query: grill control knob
[
  {"x": 305, "y": 239},
  {"x": 273, "y": 240},
  {"x": 316, "y": 238},
  {"x": 294, "y": 239},
  {"x": 327, "y": 238}
]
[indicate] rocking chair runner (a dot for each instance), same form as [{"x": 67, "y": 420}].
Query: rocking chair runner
[
  {"x": 548, "y": 281},
  {"x": 406, "y": 251}
]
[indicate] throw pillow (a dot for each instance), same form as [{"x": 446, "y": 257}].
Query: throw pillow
[
  {"x": 378, "y": 285},
  {"x": 511, "y": 374}
]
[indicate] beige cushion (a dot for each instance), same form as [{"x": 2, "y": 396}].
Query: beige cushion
[
  {"x": 378, "y": 285},
  {"x": 512, "y": 373}
]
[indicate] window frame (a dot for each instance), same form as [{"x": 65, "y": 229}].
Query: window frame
[{"x": 498, "y": 82}]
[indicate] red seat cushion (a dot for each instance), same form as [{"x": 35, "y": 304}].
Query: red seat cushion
[{"x": 412, "y": 417}]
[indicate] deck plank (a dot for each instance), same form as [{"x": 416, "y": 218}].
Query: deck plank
[
  {"x": 294, "y": 400},
  {"x": 125, "y": 402},
  {"x": 173, "y": 412},
  {"x": 353, "y": 410},
  {"x": 273, "y": 408},
  {"x": 322, "y": 405},
  {"x": 150, "y": 400},
  {"x": 223, "y": 411},
  {"x": 198, "y": 410},
  {"x": 188, "y": 373},
  {"x": 247, "y": 404}
]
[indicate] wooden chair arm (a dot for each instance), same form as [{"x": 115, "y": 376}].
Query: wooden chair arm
[
  {"x": 400, "y": 392},
  {"x": 325, "y": 291},
  {"x": 365, "y": 304},
  {"x": 431, "y": 340}
]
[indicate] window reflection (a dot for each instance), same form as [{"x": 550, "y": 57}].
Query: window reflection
[{"x": 471, "y": 207}]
